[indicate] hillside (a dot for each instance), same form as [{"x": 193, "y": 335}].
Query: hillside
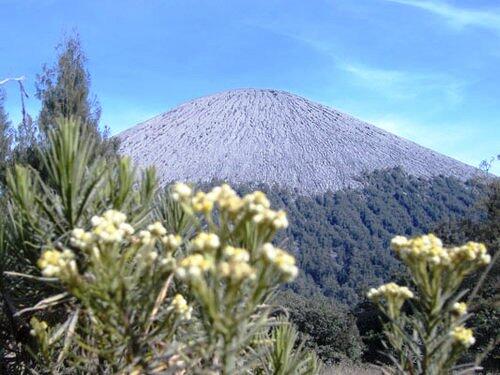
[{"x": 276, "y": 138}]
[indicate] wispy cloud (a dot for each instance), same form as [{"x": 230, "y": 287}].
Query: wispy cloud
[
  {"x": 399, "y": 84},
  {"x": 456, "y": 16}
]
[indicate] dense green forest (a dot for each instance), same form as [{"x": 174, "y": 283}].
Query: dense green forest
[{"x": 341, "y": 239}]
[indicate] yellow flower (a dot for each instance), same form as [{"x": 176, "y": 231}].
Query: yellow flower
[
  {"x": 390, "y": 291},
  {"x": 181, "y": 307},
  {"x": 202, "y": 202},
  {"x": 205, "y": 242},
  {"x": 283, "y": 261},
  {"x": 157, "y": 229},
  {"x": 459, "y": 308},
  {"x": 193, "y": 266},
  {"x": 53, "y": 263},
  {"x": 236, "y": 254},
  {"x": 463, "y": 336},
  {"x": 181, "y": 192},
  {"x": 171, "y": 242}
]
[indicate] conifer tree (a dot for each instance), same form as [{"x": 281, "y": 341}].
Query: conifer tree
[
  {"x": 64, "y": 90},
  {"x": 5, "y": 137}
]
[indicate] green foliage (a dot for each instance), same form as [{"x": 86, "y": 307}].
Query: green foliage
[
  {"x": 432, "y": 337},
  {"x": 324, "y": 326},
  {"x": 6, "y": 138},
  {"x": 285, "y": 356},
  {"x": 42, "y": 211},
  {"x": 64, "y": 90},
  {"x": 102, "y": 297},
  {"x": 484, "y": 227},
  {"x": 341, "y": 238}
]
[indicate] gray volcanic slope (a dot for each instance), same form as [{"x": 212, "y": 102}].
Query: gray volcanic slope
[{"x": 274, "y": 137}]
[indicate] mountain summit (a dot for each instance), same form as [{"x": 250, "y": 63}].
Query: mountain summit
[{"x": 274, "y": 137}]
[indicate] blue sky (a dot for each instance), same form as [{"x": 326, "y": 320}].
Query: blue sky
[{"x": 428, "y": 70}]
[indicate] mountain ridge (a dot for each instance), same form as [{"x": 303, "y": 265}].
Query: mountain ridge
[{"x": 277, "y": 138}]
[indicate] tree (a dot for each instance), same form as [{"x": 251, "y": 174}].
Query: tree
[
  {"x": 5, "y": 137},
  {"x": 64, "y": 90}
]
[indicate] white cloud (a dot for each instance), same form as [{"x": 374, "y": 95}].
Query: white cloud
[
  {"x": 457, "y": 17},
  {"x": 400, "y": 84}
]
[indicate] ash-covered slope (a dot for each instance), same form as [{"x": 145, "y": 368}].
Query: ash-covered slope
[{"x": 274, "y": 137}]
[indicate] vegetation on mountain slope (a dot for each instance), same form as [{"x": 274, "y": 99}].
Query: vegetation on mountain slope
[{"x": 341, "y": 239}]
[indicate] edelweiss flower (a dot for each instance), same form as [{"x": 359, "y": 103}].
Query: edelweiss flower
[
  {"x": 205, "y": 242},
  {"x": 181, "y": 192},
  {"x": 463, "y": 336},
  {"x": 180, "y": 306},
  {"x": 54, "y": 263}
]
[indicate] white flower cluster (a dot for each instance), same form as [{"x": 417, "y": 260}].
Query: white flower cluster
[
  {"x": 463, "y": 336},
  {"x": 255, "y": 204},
  {"x": 205, "y": 242},
  {"x": 284, "y": 262},
  {"x": 390, "y": 291},
  {"x": 180, "y": 306},
  {"x": 235, "y": 265},
  {"x": 459, "y": 308},
  {"x": 112, "y": 227},
  {"x": 429, "y": 249},
  {"x": 54, "y": 263}
]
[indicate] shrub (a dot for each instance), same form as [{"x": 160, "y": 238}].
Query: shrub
[
  {"x": 119, "y": 293},
  {"x": 433, "y": 336}
]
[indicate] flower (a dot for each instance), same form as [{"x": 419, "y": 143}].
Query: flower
[
  {"x": 193, "y": 266},
  {"x": 181, "y": 192},
  {"x": 180, "y": 307},
  {"x": 81, "y": 239},
  {"x": 236, "y": 254},
  {"x": 395, "y": 296},
  {"x": 111, "y": 227},
  {"x": 284, "y": 262},
  {"x": 54, "y": 263},
  {"x": 463, "y": 336},
  {"x": 202, "y": 202},
  {"x": 429, "y": 249},
  {"x": 171, "y": 242},
  {"x": 146, "y": 238},
  {"x": 459, "y": 309},
  {"x": 470, "y": 252},
  {"x": 236, "y": 271},
  {"x": 390, "y": 291},
  {"x": 276, "y": 219},
  {"x": 205, "y": 242},
  {"x": 157, "y": 229}
]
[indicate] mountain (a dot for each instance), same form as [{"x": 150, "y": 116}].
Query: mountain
[{"x": 276, "y": 138}]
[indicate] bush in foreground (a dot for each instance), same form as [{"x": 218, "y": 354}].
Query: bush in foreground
[{"x": 432, "y": 337}]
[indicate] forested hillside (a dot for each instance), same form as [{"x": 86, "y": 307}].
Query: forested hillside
[{"x": 341, "y": 239}]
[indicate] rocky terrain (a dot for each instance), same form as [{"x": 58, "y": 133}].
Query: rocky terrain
[{"x": 274, "y": 137}]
